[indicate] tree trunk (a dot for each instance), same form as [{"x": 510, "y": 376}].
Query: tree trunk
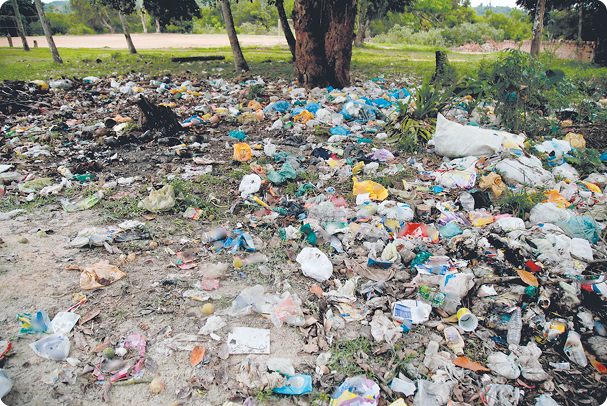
[
  {"x": 106, "y": 24},
  {"x": 361, "y": 34},
  {"x": 144, "y": 22},
  {"x": 157, "y": 26},
  {"x": 538, "y": 24},
  {"x": 10, "y": 40},
  {"x": 26, "y": 47},
  {"x": 47, "y": 32},
  {"x": 286, "y": 28},
  {"x": 239, "y": 62},
  {"x": 339, "y": 36},
  {"x": 324, "y": 31},
  {"x": 127, "y": 34}
]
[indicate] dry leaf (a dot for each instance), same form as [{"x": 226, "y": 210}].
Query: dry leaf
[
  {"x": 467, "y": 363},
  {"x": 197, "y": 355},
  {"x": 527, "y": 277},
  {"x": 317, "y": 290}
]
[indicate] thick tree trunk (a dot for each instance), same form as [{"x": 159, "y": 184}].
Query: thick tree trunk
[
  {"x": 127, "y": 34},
  {"x": 10, "y": 40},
  {"x": 339, "y": 36},
  {"x": 157, "y": 25},
  {"x": 538, "y": 24},
  {"x": 286, "y": 28},
  {"x": 239, "y": 62},
  {"x": 324, "y": 31},
  {"x": 26, "y": 47},
  {"x": 106, "y": 24},
  {"x": 361, "y": 34},
  {"x": 144, "y": 22},
  {"x": 47, "y": 32}
]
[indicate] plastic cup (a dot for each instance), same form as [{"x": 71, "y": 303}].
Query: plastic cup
[{"x": 466, "y": 320}]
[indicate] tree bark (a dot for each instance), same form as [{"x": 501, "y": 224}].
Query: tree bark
[
  {"x": 324, "y": 32},
  {"x": 106, "y": 24},
  {"x": 538, "y": 24},
  {"x": 239, "y": 62},
  {"x": 127, "y": 34},
  {"x": 286, "y": 28},
  {"x": 47, "y": 32},
  {"x": 10, "y": 40},
  {"x": 26, "y": 47},
  {"x": 144, "y": 22}
]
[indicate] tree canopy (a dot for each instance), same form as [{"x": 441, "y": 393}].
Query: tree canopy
[{"x": 167, "y": 11}]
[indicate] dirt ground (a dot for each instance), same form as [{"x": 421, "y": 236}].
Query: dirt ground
[{"x": 150, "y": 41}]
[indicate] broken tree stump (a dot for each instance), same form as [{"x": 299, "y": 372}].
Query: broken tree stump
[
  {"x": 157, "y": 118},
  {"x": 199, "y": 58},
  {"x": 444, "y": 72}
]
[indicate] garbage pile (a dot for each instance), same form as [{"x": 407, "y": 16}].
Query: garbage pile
[{"x": 418, "y": 262}]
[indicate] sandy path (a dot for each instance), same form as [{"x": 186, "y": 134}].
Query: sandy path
[{"x": 149, "y": 41}]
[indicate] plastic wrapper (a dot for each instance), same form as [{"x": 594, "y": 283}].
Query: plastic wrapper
[
  {"x": 501, "y": 395},
  {"x": 99, "y": 275},
  {"x": 356, "y": 391},
  {"x": 296, "y": 385},
  {"x": 37, "y": 323},
  {"x": 577, "y": 141},
  {"x": 493, "y": 181},
  {"x": 5, "y": 383},
  {"x": 432, "y": 394},
  {"x": 32, "y": 186},
  {"x": 458, "y": 179}
]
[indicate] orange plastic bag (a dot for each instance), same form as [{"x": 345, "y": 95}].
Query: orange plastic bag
[
  {"x": 254, "y": 105},
  {"x": 242, "y": 152},
  {"x": 375, "y": 190},
  {"x": 556, "y": 198},
  {"x": 577, "y": 141},
  {"x": 99, "y": 275}
]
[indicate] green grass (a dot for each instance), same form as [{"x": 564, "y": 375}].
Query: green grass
[{"x": 372, "y": 61}]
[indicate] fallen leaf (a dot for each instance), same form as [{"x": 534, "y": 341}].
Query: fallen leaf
[
  {"x": 317, "y": 290},
  {"x": 89, "y": 316},
  {"x": 523, "y": 384},
  {"x": 467, "y": 363},
  {"x": 597, "y": 365},
  {"x": 527, "y": 277},
  {"x": 197, "y": 355}
]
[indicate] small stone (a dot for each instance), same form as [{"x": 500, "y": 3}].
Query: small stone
[{"x": 23, "y": 240}]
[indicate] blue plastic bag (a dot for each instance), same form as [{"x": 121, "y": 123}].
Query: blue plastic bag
[{"x": 296, "y": 385}]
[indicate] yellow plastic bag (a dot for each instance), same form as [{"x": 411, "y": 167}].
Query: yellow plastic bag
[
  {"x": 577, "y": 141},
  {"x": 249, "y": 118},
  {"x": 159, "y": 200},
  {"x": 375, "y": 190},
  {"x": 494, "y": 181},
  {"x": 556, "y": 198},
  {"x": 242, "y": 152},
  {"x": 99, "y": 275},
  {"x": 303, "y": 117}
]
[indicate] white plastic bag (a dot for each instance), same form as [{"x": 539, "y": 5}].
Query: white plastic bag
[
  {"x": 548, "y": 213},
  {"x": 454, "y": 140},
  {"x": 249, "y": 185},
  {"x": 526, "y": 171},
  {"x": 315, "y": 264}
]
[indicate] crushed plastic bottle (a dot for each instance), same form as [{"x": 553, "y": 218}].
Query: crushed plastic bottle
[
  {"x": 515, "y": 325},
  {"x": 574, "y": 350}
]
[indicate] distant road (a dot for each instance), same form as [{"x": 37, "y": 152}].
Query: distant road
[{"x": 149, "y": 41}]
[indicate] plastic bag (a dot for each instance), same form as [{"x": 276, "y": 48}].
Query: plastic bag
[
  {"x": 159, "y": 200},
  {"x": 454, "y": 140},
  {"x": 39, "y": 323},
  {"x": 577, "y": 141},
  {"x": 242, "y": 152},
  {"x": 395, "y": 211},
  {"x": 249, "y": 185},
  {"x": 526, "y": 171},
  {"x": 504, "y": 365},
  {"x": 458, "y": 179},
  {"x": 500, "y": 395},
  {"x": 32, "y": 186},
  {"x": 581, "y": 227},
  {"x": 288, "y": 311},
  {"x": 286, "y": 172},
  {"x": 5, "y": 383},
  {"x": 493, "y": 181},
  {"x": 55, "y": 347},
  {"x": 548, "y": 213},
  {"x": 99, "y": 275},
  {"x": 315, "y": 264},
  {"x": 375, "y": 190},
  {"x": 356, "y": 391},
  {"x": 296, "y": 385},
  {"x": 432, "y": 394}
]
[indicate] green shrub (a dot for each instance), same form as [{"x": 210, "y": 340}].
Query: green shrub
[
  {"x": 465, "y": 33},
  {"x": 80, "y": 29}
]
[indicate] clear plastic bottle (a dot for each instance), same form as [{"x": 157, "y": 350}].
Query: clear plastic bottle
[
  {"x": 574, "y": 350},
  {"x": 515, "y": 325}
]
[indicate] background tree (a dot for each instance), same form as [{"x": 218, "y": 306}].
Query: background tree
[
  {"x": 47, "y": 32},
  {"x": 324, "y": 33},
  {"x": 20, "y": 26},
  {"x": 593, "y": 22},
  {"x": 369, "y": 10},
  {"x": 28, "y": 13},
  {"x": 95, "y": 16},
  {"x": 165, "y": 12},
  {"x": 284, "y": 23},
  {"x": 239, "y": 62},
  {"x": 122, "y": 7}
]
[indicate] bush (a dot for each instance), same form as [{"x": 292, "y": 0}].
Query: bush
[
  {"x": 405, "y": 35},
  {"x": 478, "y": 33},
  {"x": 80, "y": 29}
]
